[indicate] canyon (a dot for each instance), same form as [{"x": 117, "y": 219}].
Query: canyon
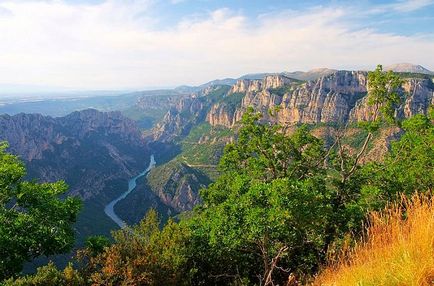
[{"x": 96, "y": 152}]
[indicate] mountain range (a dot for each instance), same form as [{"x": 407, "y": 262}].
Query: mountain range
[
  {"x": 186, "y": 129},
  {"x": 94, "y": 152}
]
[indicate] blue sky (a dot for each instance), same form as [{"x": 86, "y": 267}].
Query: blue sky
[{"x": 134, "y": 44}]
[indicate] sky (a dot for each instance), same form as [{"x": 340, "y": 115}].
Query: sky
[{"x": 143, "y": 44}]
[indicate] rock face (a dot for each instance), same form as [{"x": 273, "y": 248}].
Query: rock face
[
  {"x": 270, "y": 81},
  {"x": 87, "y": 149},
  {"x": 177, "y": 185},
  {"x": 335, "y": 97},
  {"x": 331, "y": 97},
  {"x": 418, "y": 95},
  {"x": 187, "y": 112},
  {"x": 220, "y": 114},
  {"x": 338, "y": 97}
]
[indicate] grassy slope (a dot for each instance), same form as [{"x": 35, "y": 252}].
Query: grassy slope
[
  {"x": 197, "y": 161},
  {"x": 397, "y": 251}
]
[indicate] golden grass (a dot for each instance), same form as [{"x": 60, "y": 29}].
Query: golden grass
[{"x": 396, "y": 251}]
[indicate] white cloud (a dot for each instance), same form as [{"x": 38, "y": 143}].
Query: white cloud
[
  {"x": 177, "y": 1},
  {"x": 117, "y": 44},
  {"x": 411, "y": 5},
  {"x": 401, "y": 6}
]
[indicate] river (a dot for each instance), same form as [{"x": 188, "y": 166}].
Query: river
[{"x": 109, "y": 208}]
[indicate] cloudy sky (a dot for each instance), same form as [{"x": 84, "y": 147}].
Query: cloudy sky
[{"x": 135, "y": 44}]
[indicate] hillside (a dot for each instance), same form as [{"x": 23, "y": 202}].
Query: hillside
[
  {"x": 202, "y": 124},
  {"x": 408, "y": 68},
  {"x": 396, "y": 250},
  {"x": 95, "y": 153}
]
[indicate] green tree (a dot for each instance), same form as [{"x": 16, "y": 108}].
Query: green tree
[
  {"x": 143, "y": 255},
  {"x": 49, "y": 275},
  {"x": 264, "y": 217},
  {"x": 33, "y": 220},
  {"x": 382, "y": 99},
  {"x": 409, "y": 165},
  {"x": 350, "y": 202}
]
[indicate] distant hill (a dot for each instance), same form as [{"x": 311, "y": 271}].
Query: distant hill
[
  {"x": 409, "y": 68},
  {"x": 313, "y": 74},
  {"x": 300, "y": 75}
]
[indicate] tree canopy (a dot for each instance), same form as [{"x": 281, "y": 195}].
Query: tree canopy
[{"x": 34, "y": 221}]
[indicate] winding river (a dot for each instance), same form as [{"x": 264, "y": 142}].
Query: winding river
[{"x": 109, "y": 208}]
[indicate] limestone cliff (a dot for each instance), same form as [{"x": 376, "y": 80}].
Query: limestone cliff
[
  {"x": 417, "y": 96},
  {"x": 177, "y": 185},
  {"x": 87, "y": 149},
  {"x": 187, "y": 112},
  {"x": 269, "y": 81},
  {"x": 337, "y": 97}
]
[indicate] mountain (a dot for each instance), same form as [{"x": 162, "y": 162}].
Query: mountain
[
  {"x": 300, "y": 75},
  {"x": 408, "y": 68},
  {"x": 146, "y": 106},
  {"x": 96, "y": 153},
  {"x": 203, "y": 123},
  {"x": 335, "y": 98},
  {"x": 313, "y": 74}
]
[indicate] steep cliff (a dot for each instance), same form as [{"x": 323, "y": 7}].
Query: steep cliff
[
  {"x": 335, "y": 98},
  {"x": 417, "y": 95},
  {"x": 87, "y": 149},
  {"x": 187, "y": 112},
  {"x": 96, "y": 154},
  {"x": 177, "y": 185}
]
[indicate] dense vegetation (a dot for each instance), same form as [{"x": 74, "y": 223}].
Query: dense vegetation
[
  {"x": 282, "y": 205},
  {"x": 33, "y": 220}
]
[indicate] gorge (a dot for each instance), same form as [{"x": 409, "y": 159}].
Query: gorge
[
  {"x": 109, "y": 208},
  {"x": 97, "y": 153}
]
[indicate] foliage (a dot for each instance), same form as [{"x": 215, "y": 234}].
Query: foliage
[
  {"x": 197, "y": 153},
  {"x": 282, "y": 204},
  {"x": 33, "y": 220},
  {"x": 398, "y": 249},
  {"x": 383, "y": 93},
  {"x": 265, "y": 153},
  {"x": 96, "y": 244},
  {"x": 267, "y": 209},
  {"x": 382, "y": 98},
  {"x": 49, "y": 275},
  {"x": 142, "y": 255},
  {"x": 409, "y": 166},
  {"x": 232, "y": 101}
]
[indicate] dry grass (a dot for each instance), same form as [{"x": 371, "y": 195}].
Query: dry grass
[{"x": 396, "y": 251}]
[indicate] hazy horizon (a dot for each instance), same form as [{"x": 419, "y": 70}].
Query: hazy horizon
[{"x": 152, "y": 44}]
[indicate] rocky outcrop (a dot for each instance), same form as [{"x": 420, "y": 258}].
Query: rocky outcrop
[
  {"x": 88, "y": 149},
  {"x": 417, "y": 94},
  {"x": 220, "y": 114},
  {"x": 335, "y": 98},
  {"x": 177, "y": 185},
  {"x": 270, "y": 81},
  {"x": 187, "y": 112}
]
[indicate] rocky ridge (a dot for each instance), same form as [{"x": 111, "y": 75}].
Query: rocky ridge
[
  {"x": 335, "y": 98},
  {"x": 87, "y": 149}
]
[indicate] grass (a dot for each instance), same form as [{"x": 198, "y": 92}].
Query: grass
[
  {"x": 208, "y": 153},
  {"x": 145, "y": 118},
  {"x": 281, "y": 91},
  {"x": 398, "y": 249},
  {"x": 233, "y": 101}
]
